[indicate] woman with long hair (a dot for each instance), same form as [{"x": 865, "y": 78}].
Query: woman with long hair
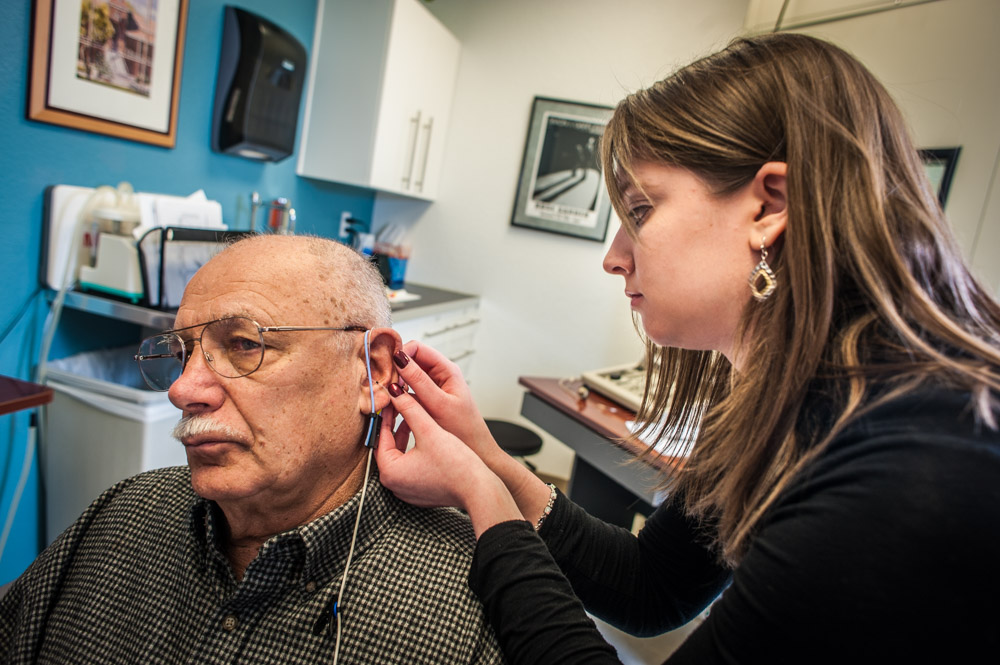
[{"x": 807, "y": 313}]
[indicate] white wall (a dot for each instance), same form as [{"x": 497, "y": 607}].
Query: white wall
[
  {"x": 941, "y": 63},
  {"x": 548, "y": 308}
]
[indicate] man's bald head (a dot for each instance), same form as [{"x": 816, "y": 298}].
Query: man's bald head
[{"x": 316, "y": 267}]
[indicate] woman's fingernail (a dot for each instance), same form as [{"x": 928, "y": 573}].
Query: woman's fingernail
[
  {"x": 400, "y": 358},
  {"x": 395, "y": 390}
]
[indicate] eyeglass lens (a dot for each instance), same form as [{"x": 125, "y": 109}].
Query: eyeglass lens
[{"x": 233, "y": 347}]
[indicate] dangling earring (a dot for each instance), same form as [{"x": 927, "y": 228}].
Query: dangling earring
[{"x": 762, "y": 272}]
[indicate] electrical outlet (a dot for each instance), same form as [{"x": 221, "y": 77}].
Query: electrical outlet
[{"x": 344, "y": 216}]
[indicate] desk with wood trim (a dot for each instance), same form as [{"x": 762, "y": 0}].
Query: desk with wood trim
[
  {"x": 16, "y": 395},
  {"x": 608, "y": 479}
]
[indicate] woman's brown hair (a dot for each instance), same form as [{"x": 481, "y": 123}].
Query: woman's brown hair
[{"x": 872, "y": 290}]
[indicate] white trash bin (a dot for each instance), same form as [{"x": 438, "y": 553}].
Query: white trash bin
[{"x": 102, "y": 426}]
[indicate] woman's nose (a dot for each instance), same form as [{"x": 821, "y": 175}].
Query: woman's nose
[{"x": 618, "y": 260}]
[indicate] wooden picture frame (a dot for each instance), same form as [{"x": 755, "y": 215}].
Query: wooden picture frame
[
  {"x": 561, "y": 188},
  {"x": 99, "y": 66}
]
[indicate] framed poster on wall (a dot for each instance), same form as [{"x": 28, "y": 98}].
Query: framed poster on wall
[
  {"x": 108, "y": 66},
  {"x": 939, "y": 163},
  {"x": 560, "y": 188}
]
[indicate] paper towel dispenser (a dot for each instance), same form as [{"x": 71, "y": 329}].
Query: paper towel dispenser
[{"x": 259, "y": 87}]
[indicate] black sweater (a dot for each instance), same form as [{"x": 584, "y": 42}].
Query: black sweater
[{"x": 886, "y": 549}]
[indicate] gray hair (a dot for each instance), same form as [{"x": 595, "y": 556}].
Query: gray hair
[
  {"x": 359, "y": 285},
  {"x": 362, "y": 288}
]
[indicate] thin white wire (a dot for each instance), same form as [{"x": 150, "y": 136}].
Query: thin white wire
[
  {"x": 69, "y": 279},
  {"x": 350, "y": 554},
  {"x": 361, "y": 501},
  {"x": 29, "y": 456},
  {"x": 49, "y": 331},
  {"x": 371, "y": 384}
]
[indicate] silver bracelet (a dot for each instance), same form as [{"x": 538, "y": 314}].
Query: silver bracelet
[{"x": 548, "y": 506}]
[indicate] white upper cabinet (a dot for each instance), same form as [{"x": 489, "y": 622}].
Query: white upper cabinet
[{"x": 381, "y": 82}]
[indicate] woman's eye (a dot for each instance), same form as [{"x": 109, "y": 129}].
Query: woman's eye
[{"x": 639, "y": 213}]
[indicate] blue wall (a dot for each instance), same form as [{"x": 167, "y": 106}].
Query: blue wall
[{"x": 34, "y": 155}]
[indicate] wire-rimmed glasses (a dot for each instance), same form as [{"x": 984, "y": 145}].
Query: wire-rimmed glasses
[{"x": 233, "y": 347}]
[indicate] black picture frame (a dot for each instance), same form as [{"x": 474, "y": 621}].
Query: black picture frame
[
  {"x": 560, "y": 188},
  {"x": 939, "y": 163}
]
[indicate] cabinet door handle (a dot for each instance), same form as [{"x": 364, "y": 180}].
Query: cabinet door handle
[
  {"x": 429, "y": 128},
  {"x": 439, "y": 331},
  {"x": 461, "y": 356},
  {"x": 450, "y": 327},
  {"x": 414, "y": 134}
]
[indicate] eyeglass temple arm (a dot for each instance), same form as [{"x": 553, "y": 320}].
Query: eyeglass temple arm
[
  {"x": 154, "y": 356},
  {"x": 294, "y": 328}
]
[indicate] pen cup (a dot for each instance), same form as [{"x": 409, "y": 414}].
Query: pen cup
[
  {"x": 392, "y": 261},
  {"x": 397, "y": 272}
]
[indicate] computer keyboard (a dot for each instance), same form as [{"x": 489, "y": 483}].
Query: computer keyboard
[{"x": 623, "y": 383}]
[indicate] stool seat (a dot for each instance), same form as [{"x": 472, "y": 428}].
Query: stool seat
[{"x": 514, "y": 439}]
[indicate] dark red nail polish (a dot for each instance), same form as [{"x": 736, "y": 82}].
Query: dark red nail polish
[
  {"x": 395, "y": 390},
  {"x": 400, "y": 358}
]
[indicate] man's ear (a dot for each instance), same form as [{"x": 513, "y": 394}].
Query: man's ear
[
  {"x": 770, "y": 191},
  {"x": 382, "y": 343}
]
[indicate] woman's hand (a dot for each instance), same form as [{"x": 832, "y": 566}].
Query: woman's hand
[
  {"x": 440, "y": 388},
  {"x": 442, "y": 392},
  {"x": 439, "y": 470}
]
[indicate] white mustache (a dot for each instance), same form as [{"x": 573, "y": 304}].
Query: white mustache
[{"x": 191, "y": 426}]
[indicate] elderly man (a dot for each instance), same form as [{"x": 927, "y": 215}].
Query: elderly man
[{"x": 242, "y": 555}]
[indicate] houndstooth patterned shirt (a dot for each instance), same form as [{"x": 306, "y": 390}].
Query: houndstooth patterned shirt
[{"x": 141, "y": 578}]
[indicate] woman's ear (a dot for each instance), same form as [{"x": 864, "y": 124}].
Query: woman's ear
[
  {"x": 382, "y": 343},
  {"x": 770, "y": 190}
]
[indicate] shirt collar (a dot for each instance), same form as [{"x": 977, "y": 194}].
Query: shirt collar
[{"x": 314, "y": 552}]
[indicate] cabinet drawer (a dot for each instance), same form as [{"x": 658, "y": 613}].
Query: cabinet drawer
[{"x": 452, "y": 333}]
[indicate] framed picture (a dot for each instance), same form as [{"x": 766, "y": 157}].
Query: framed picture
[
  {"x": 939, "y": 163},
  {"x": 561, "y": 188},
  {"x": 108, "y": 66}
]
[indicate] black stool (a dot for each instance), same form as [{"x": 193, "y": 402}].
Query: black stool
[{"x": 515, "y": 440}]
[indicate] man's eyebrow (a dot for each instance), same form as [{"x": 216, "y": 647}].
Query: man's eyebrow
[
  {"x": 229, "y": 315},
  {"x": 241, "y": 313}
]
